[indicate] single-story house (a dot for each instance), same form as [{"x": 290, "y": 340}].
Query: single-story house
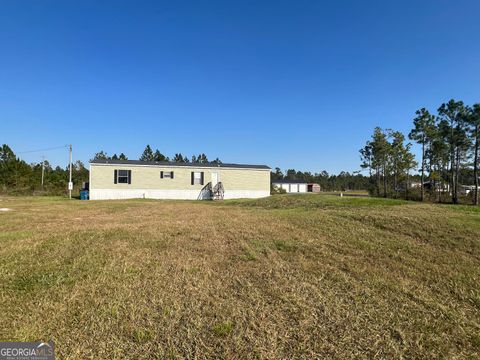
[
  {"x": 129, "y": 179},
  {"x": 429, "y": 185},
  {"x": 296, "y": 186},
  {"x": 466, "y": 189}
]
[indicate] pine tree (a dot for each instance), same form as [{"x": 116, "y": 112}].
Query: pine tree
[
  {"x": 380, "y": 156},
  {"x": 474, "y": 132},
  {"x": 101, "y": 156},
  {"x": 179, "y": 158},
  {"x": 7, "y": 165},
  {"x": 277, "y": 175},
  {"x": 397, "y": 153},
  {"x": 158, "y": 156},
  {"x": 147, "y": 154},
  {"x": 366, "y": 158},
  {"x": 453, "y": 114},
  {"x": 202, "y": 158},
  {"x": 422, "y": 133},
  {"x": 408, "y": 163}
]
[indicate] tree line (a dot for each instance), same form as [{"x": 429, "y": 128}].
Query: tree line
[
  {"x": 19, "y": 177},
  {"x": 449, "y": 141},
  {"x": 152, "y": 156},
  {"x": 344, "y": 181}
]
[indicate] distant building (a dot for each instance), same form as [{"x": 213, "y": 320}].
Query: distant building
[
  {"x": 313, "y": 187},
  {"x": 429, "y": 185},
  {"x": 466, "y": 189},
  {"x": 296, "y": 186}
]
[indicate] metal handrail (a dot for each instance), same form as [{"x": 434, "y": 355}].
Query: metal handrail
[
  {"x": 218, "y": 191},
  {"x": 206, "y": 192}
]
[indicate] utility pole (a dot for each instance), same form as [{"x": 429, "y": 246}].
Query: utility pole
[
  {"x": 70, "y": 184},
  {"x": 43, "y": 169}
]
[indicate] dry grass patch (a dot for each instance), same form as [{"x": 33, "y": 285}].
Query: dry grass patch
[{"x": 283, "y": 277}]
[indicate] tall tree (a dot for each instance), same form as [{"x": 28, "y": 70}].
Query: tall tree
[
  {"x": 122, "y": 156},
  {"x": 179, "y": 158},
  {"x": 158, "y": 156},
  {"x": 6, "y": 153},
  {"x": 380, "y": 152},
  {"x": 397, "y": 154},
  {"x": 366, "y": 156},
  {"x": 439, "y": 158},
  {"x": 409, "y": 163},
  {"x": 101, "y": 156},
  {"x": 474, "y": 122},
  {"x": 147, "y": 154},
  {"x": 277, "y": 175},
  {"x": 422, "y": 132},
  {"x": 453, "y": 113},
  {"x": 7, "y": 165},
  {"x": 201, "y": 158},
  {"x": 80, "y": 172},
  {"x": 387, "y": 162},
  {"x": 291, "y": 174}
]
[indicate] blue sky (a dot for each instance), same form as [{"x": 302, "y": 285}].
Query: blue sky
[{"x": 294, "y": 84}]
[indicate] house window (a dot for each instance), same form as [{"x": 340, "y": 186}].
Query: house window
[
  {"x": 122, "y": 177},
  {"x": 166, "y": 174},
  {"x": 197, "y": 177}
]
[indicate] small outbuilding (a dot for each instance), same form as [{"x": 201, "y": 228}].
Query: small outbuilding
[
  {"x": 296, "y": 186},
  {"x": 313, "y": 187}
]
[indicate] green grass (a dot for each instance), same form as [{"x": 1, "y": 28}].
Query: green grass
[
  {"x": 290, "y": 276},
  {"x": 223, "y": 329},
  {"x": 309, "y": 201}
]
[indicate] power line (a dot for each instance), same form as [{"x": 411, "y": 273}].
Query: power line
[
  {"x": 70, "y": 183},
  {"x": 41, "y": 150}
]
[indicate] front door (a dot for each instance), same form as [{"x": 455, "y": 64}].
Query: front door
[{"x": 214, "y": 179}]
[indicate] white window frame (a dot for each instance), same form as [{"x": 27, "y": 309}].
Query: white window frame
[
  {"x": 197, "y": 178},
  {"x": 167, "y": 174},
  {"x": 125, "y": 177}
]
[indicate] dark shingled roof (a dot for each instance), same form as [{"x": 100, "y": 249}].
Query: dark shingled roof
[{"x": 171, "y": 163}]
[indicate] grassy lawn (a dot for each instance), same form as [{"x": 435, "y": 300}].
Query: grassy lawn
[{"x": 282, "y": 277}]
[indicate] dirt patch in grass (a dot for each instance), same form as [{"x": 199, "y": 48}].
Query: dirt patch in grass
[{"x": 283, "y": 277}]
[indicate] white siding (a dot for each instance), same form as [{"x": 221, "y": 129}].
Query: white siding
[
  {"x": 292, "y": 187},
  {"x": 110, "y": 194}
]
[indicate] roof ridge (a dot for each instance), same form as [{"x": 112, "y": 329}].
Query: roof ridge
[{"x": 173, "y": 163}]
